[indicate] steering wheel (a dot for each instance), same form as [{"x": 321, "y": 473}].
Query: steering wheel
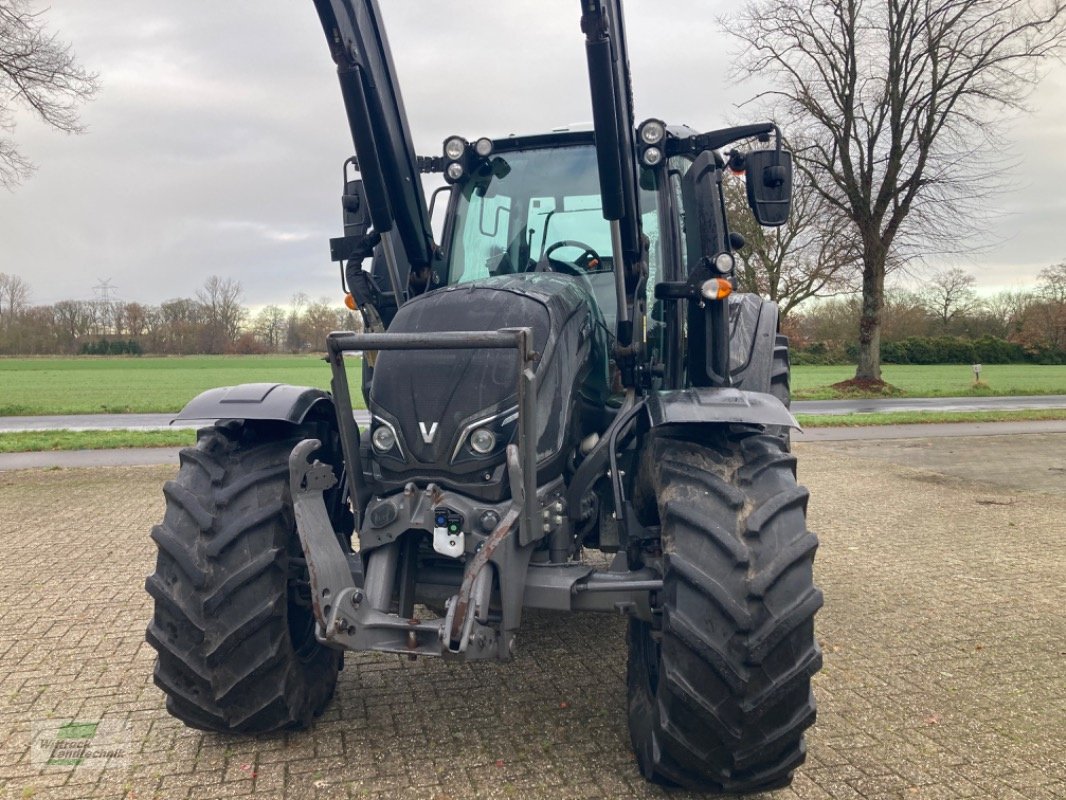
[{"x": 588, "y": 254}]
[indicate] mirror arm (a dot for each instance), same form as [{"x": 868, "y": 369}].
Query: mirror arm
[{"x": 717, "y": 139}]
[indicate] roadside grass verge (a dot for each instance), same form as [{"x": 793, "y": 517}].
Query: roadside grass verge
[
  {"x": 926, "y": 417},
  {"x": 37, "y": 441},
  {"x": 937, "y": 380}
]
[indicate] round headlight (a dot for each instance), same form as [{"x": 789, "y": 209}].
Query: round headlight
[
  {"x": 652, "y": 132},
  {"x": 483, "y": 147},
  {"x": 454, "y": 171},
  {"x": 383, "y": 438},
  {"x": 454, "y": 148},
  {"x": 482, "y": 441},
  {"x": 724, "y": 262},
  {"x": 652, "y": 157}
]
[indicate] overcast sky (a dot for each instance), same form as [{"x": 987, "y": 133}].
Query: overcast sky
[{"x": 216, "y": 142}]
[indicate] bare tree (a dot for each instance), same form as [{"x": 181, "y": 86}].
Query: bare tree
[
  {"x": 1006, "y": 309},
  {"x": 906, "y": 314},
  {"x": 1044, "y": 321},
  {"x": 897, "y": 100},
  {"x": 949, "y": 295},
  {"x": 223, "y": 313},
  {"x": 270, "y": 324},
  {"x": 814, "y": 254},
  {"x": 295, "y": 339},
  {"x": 14, "y": 297},
  {"x": 38, "y": 72},
  {"x": 73, "y": 319},
  {"x": 135, "y": 318},
  {"x": 180, "y": 326},
  {"x": 318, "y": 321},
  {"x": 1052, "y": 285}
]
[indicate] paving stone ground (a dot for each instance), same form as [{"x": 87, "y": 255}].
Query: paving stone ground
[{"x": 944, "y": 637}]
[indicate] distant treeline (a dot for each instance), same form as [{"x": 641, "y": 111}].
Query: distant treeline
[
  {"x": 214, "y": 321},
  {"x": 947, "y": 324},
  {"x": 944, "y": 325}
]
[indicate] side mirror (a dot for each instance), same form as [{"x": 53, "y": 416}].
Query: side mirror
[
  {"x": 357, "y": 242},
  {"x": 769, "y": 182}
]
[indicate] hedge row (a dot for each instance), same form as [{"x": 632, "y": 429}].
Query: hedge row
[
  {"x": 103, "y": 347},
  {"x": 933, "y": 350}
]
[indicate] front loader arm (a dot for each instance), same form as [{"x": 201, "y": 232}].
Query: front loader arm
[
  {"x": 603, "y": 24},
  {"x": 378, "y": 122}
]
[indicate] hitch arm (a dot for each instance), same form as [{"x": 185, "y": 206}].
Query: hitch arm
[{"x": 327, "y": 565}]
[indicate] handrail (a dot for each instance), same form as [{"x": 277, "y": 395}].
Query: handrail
[{"x": 521, "y": 339}]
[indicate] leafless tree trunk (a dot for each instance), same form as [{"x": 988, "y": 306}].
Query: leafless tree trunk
[
  {"x": 38, "y": 72},
  {"x": 898, "y": 100}
]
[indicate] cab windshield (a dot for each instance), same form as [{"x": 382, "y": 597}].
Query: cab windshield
[{"x": 540, "y": 209}]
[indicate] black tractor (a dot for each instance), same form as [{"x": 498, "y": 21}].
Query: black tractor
[{"x": 568, "y": 370}]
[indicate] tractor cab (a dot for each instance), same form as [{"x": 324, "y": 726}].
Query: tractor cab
[{"x": 533, "y": 204}]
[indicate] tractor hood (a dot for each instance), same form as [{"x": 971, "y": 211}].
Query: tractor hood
[{"x": 435, "y": 399}]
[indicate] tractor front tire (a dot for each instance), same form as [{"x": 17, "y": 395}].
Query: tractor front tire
[
  {"x": 720, "y": 691},
  {"x": 236, "y": 645}
]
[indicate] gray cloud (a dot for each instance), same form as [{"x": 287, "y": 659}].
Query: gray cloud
[{"x": 216, "y": 143}]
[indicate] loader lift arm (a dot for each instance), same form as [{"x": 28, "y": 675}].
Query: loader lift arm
[
  {"x": 380, "y": 131},
  {"x": 603, "y": 24}
]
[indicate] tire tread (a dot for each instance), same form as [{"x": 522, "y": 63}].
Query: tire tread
[
  {"x": 732, "y": 697},
  {"x": 226, "y": 659}
]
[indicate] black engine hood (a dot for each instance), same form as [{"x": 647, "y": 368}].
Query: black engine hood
[{"x": 433, "y": 398}]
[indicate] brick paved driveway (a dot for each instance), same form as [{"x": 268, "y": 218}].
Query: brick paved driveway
[{"x": 944, "y": 635}]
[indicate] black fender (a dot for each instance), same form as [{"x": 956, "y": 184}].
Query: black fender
[
  {"x": 753, "y": 325},
  {"x": 702, "y": 405},
  {"x": 262, "y": 401},
  {"x": 697, "y": 406}
]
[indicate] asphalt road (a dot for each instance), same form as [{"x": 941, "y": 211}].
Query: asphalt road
[{"x": 91, "y": 422}]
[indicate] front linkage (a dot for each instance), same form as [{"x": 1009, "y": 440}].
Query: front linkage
[
  {"x": 356, "y": 618},
  {"x": 353, "y": 597}
]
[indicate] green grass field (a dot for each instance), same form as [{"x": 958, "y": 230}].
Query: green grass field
[
  {"x": 941, "y": 380},
  {"x": 92, "y": 385}
]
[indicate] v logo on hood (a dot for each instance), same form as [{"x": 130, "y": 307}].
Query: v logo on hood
[{"x": 428, "y": 433}]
